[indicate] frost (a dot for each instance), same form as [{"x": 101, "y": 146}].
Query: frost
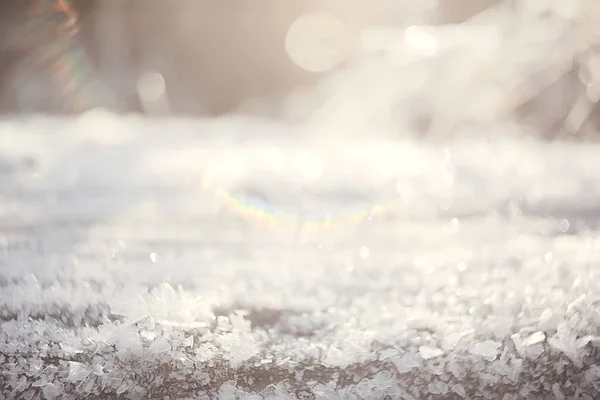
[
  {"x": 488, "y": 349},
  {"x": 28, "y": 395},
  {"x": 566, "y": 341},
  {"x": 127, "y": 342},
  {"x": 557, "y": 392},
  {"x": 52, "y": 390},
  {"x": 451, "y": 339},
  {"x": 529, "y": 345},
  {"x": 162, "y": 303},
  {"x": 77, "y": 371},
  {"x": 159, "y": 345},
  {"x": 459, "y": 390},
  {"x": 576, "y": 303},
  {"x": 20, "y": 385},
  {"x": 428, "y": 352},
  {"x": 238, "y": 347},
  {"x": 406, "y": 363},
  {"x": 592, "y": 376},
  {"x": 534, "y": 338},
  {"x": 325, "y": 253},
  {"x": 227, "y": 391},
  {"x": 440, "y": 388}
]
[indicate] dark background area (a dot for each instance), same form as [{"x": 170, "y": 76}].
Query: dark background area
[{"x": 228, "y": 53}]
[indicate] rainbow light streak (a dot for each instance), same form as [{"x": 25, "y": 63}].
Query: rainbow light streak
[{"x": 256, "y": 210}]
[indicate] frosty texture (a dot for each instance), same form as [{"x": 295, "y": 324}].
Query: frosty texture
[
  {"x": 332, "y": 257},
  {"x": 123, "y": 273}
]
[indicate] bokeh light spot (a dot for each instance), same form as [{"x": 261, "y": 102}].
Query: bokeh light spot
[
  {"x": 151, "y": 86},
  {"x": 317, "y": 42}
]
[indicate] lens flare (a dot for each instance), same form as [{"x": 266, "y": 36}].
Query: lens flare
[
  {"x": 257, "y": 210},
  {"x": 74, "y": 78},
  {"x": 311, "y": 211},
  {"x": 71, "y": 83},
  {"x": 317, "y": 42}
]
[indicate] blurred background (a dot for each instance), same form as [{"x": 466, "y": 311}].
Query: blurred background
[{"x": 401, "y": 63}]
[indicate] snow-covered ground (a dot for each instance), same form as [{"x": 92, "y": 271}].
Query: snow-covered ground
[
  {"x": 320, "y": 254},
  {"x": 174, "y": 259}
]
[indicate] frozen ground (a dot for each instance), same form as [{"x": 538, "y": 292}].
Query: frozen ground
[
  {"x": 327, "y": 257},
  {"x": 144, "y": 259}
]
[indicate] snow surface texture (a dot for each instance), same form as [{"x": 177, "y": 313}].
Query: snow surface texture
[
  {"x": 123, "y": 273},
  {"x": 249, "y": 258}
]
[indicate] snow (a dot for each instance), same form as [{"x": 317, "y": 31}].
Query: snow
[
  {"x": 335, "y": 256},
  {"x": 487, "y": 349},
  {"x": 428, "y": 352},
  {"x": 455, "y": 299}
]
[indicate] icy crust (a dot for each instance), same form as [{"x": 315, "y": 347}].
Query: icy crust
[
  {"x": 49, "y": 356},
  {"x": 123, "y": 276}
]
